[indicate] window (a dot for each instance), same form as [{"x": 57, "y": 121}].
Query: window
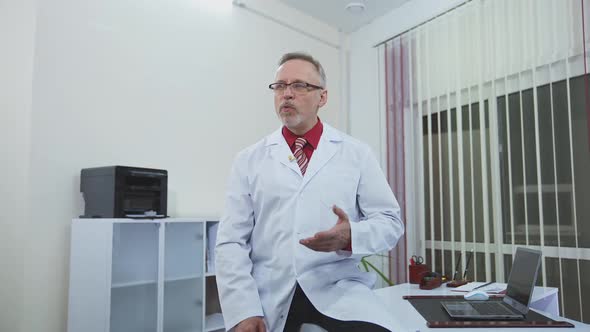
[{"x": 492, "y": 98}]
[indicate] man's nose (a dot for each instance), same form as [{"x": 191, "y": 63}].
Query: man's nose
[{"x": 288, "y": 93}]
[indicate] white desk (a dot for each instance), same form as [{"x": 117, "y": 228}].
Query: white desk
[{"x": 545, "y": 300}]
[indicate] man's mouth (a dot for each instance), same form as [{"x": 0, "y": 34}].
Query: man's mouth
[{"x": 287, "y": 108}]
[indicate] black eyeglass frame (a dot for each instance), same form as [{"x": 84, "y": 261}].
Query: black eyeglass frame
[{"x": 272, "y": 86}]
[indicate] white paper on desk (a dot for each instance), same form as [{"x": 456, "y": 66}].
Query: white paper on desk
[{"x": 493, "y": 288}]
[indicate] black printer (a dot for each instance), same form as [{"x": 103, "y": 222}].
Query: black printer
[{"x": 124, "y": 192}]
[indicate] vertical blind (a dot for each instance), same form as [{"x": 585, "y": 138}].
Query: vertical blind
[{"x": 487, "y": 133}]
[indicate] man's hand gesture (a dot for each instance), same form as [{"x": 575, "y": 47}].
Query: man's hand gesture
[{"x": 336, "y": 238}]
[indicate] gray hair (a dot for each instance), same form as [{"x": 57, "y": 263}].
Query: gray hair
[{"x": 306, "y": 57}]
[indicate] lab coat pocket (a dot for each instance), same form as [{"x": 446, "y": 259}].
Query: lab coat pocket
[
  {"x": 353, "y": 274},
  {"x": 361, "y": 279},
  {"x": 340, "y": 189}
]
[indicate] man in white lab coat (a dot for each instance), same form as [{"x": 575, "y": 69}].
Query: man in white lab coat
[{"x": 303, "y": 205}]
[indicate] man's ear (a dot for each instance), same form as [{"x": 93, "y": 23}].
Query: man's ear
[{"x": 323, "y": 98}]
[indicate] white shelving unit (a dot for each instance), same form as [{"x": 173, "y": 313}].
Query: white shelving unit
[{"x": 143, "y": 275}]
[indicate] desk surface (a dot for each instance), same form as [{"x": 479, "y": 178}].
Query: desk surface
[{"x": 412, "y": 321}]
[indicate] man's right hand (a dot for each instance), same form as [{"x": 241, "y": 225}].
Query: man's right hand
[{"x": 252, "y": 324}]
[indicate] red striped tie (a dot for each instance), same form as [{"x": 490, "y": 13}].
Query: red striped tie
[{"x": 302, "y": 160}]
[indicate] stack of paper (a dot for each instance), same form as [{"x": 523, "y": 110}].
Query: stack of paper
[{"x": 492, "y": 288}]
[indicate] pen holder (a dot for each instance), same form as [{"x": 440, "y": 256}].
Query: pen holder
[{"x": 417, "y": 271}]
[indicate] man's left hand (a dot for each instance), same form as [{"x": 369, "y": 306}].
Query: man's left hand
[{"x": 336, "y": 238}]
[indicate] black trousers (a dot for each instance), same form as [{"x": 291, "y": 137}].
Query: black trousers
[{"x": 302, "y": 311}]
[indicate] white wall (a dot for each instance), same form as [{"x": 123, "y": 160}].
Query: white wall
[
  {"x": 177, "y": 84},
  {"x": 17, "y": 28}
]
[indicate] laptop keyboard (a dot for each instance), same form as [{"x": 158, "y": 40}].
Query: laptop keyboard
[{"x": 491, "y": 308}]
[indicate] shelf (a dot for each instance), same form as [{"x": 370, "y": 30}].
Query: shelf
[
  {"x": 153, "y": 275},
  {"x": 149, "y": 282},
  {"x": 197, "y": 219},
  {"x": 183, "y": 330},
  {"x": 214, "y": 322},
  {"x": 133, "y": 283},
  {"x": 184, "y": 278}
]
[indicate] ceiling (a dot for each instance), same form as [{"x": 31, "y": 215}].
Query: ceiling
[{"x": 333, "y": 12}]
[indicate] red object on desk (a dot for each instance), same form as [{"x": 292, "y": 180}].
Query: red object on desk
[
  {"x": 457, "y": 283},
  {"x": 417, "y": 271},
  {"x": 431, "y": 280}
]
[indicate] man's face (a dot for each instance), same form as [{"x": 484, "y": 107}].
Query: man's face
[{"x": 298, "y": 110}]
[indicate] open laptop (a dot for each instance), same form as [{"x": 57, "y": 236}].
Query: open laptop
[{"x": 515, "y": 304}]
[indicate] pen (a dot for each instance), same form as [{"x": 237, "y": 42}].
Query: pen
[
  {"x": 457, "y": 268},
  {"x": 480, "y": 286},
  {"x": 467, "y": 265}
]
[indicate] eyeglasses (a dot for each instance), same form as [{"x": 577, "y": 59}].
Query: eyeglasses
[{"x": 297, "y": 87}]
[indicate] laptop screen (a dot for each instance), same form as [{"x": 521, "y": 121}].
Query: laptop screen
[{"x": 523, "y": 275}]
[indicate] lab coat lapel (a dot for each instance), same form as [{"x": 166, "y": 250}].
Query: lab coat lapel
[
  {"x": 330, "y": 143},
  {"x": 280, "y": 151}
]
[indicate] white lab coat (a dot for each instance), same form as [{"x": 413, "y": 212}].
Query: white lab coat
[{"x": 270, "y": 207}]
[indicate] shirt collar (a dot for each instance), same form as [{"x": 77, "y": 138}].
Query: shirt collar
[{"x": 312, "y": 136}]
